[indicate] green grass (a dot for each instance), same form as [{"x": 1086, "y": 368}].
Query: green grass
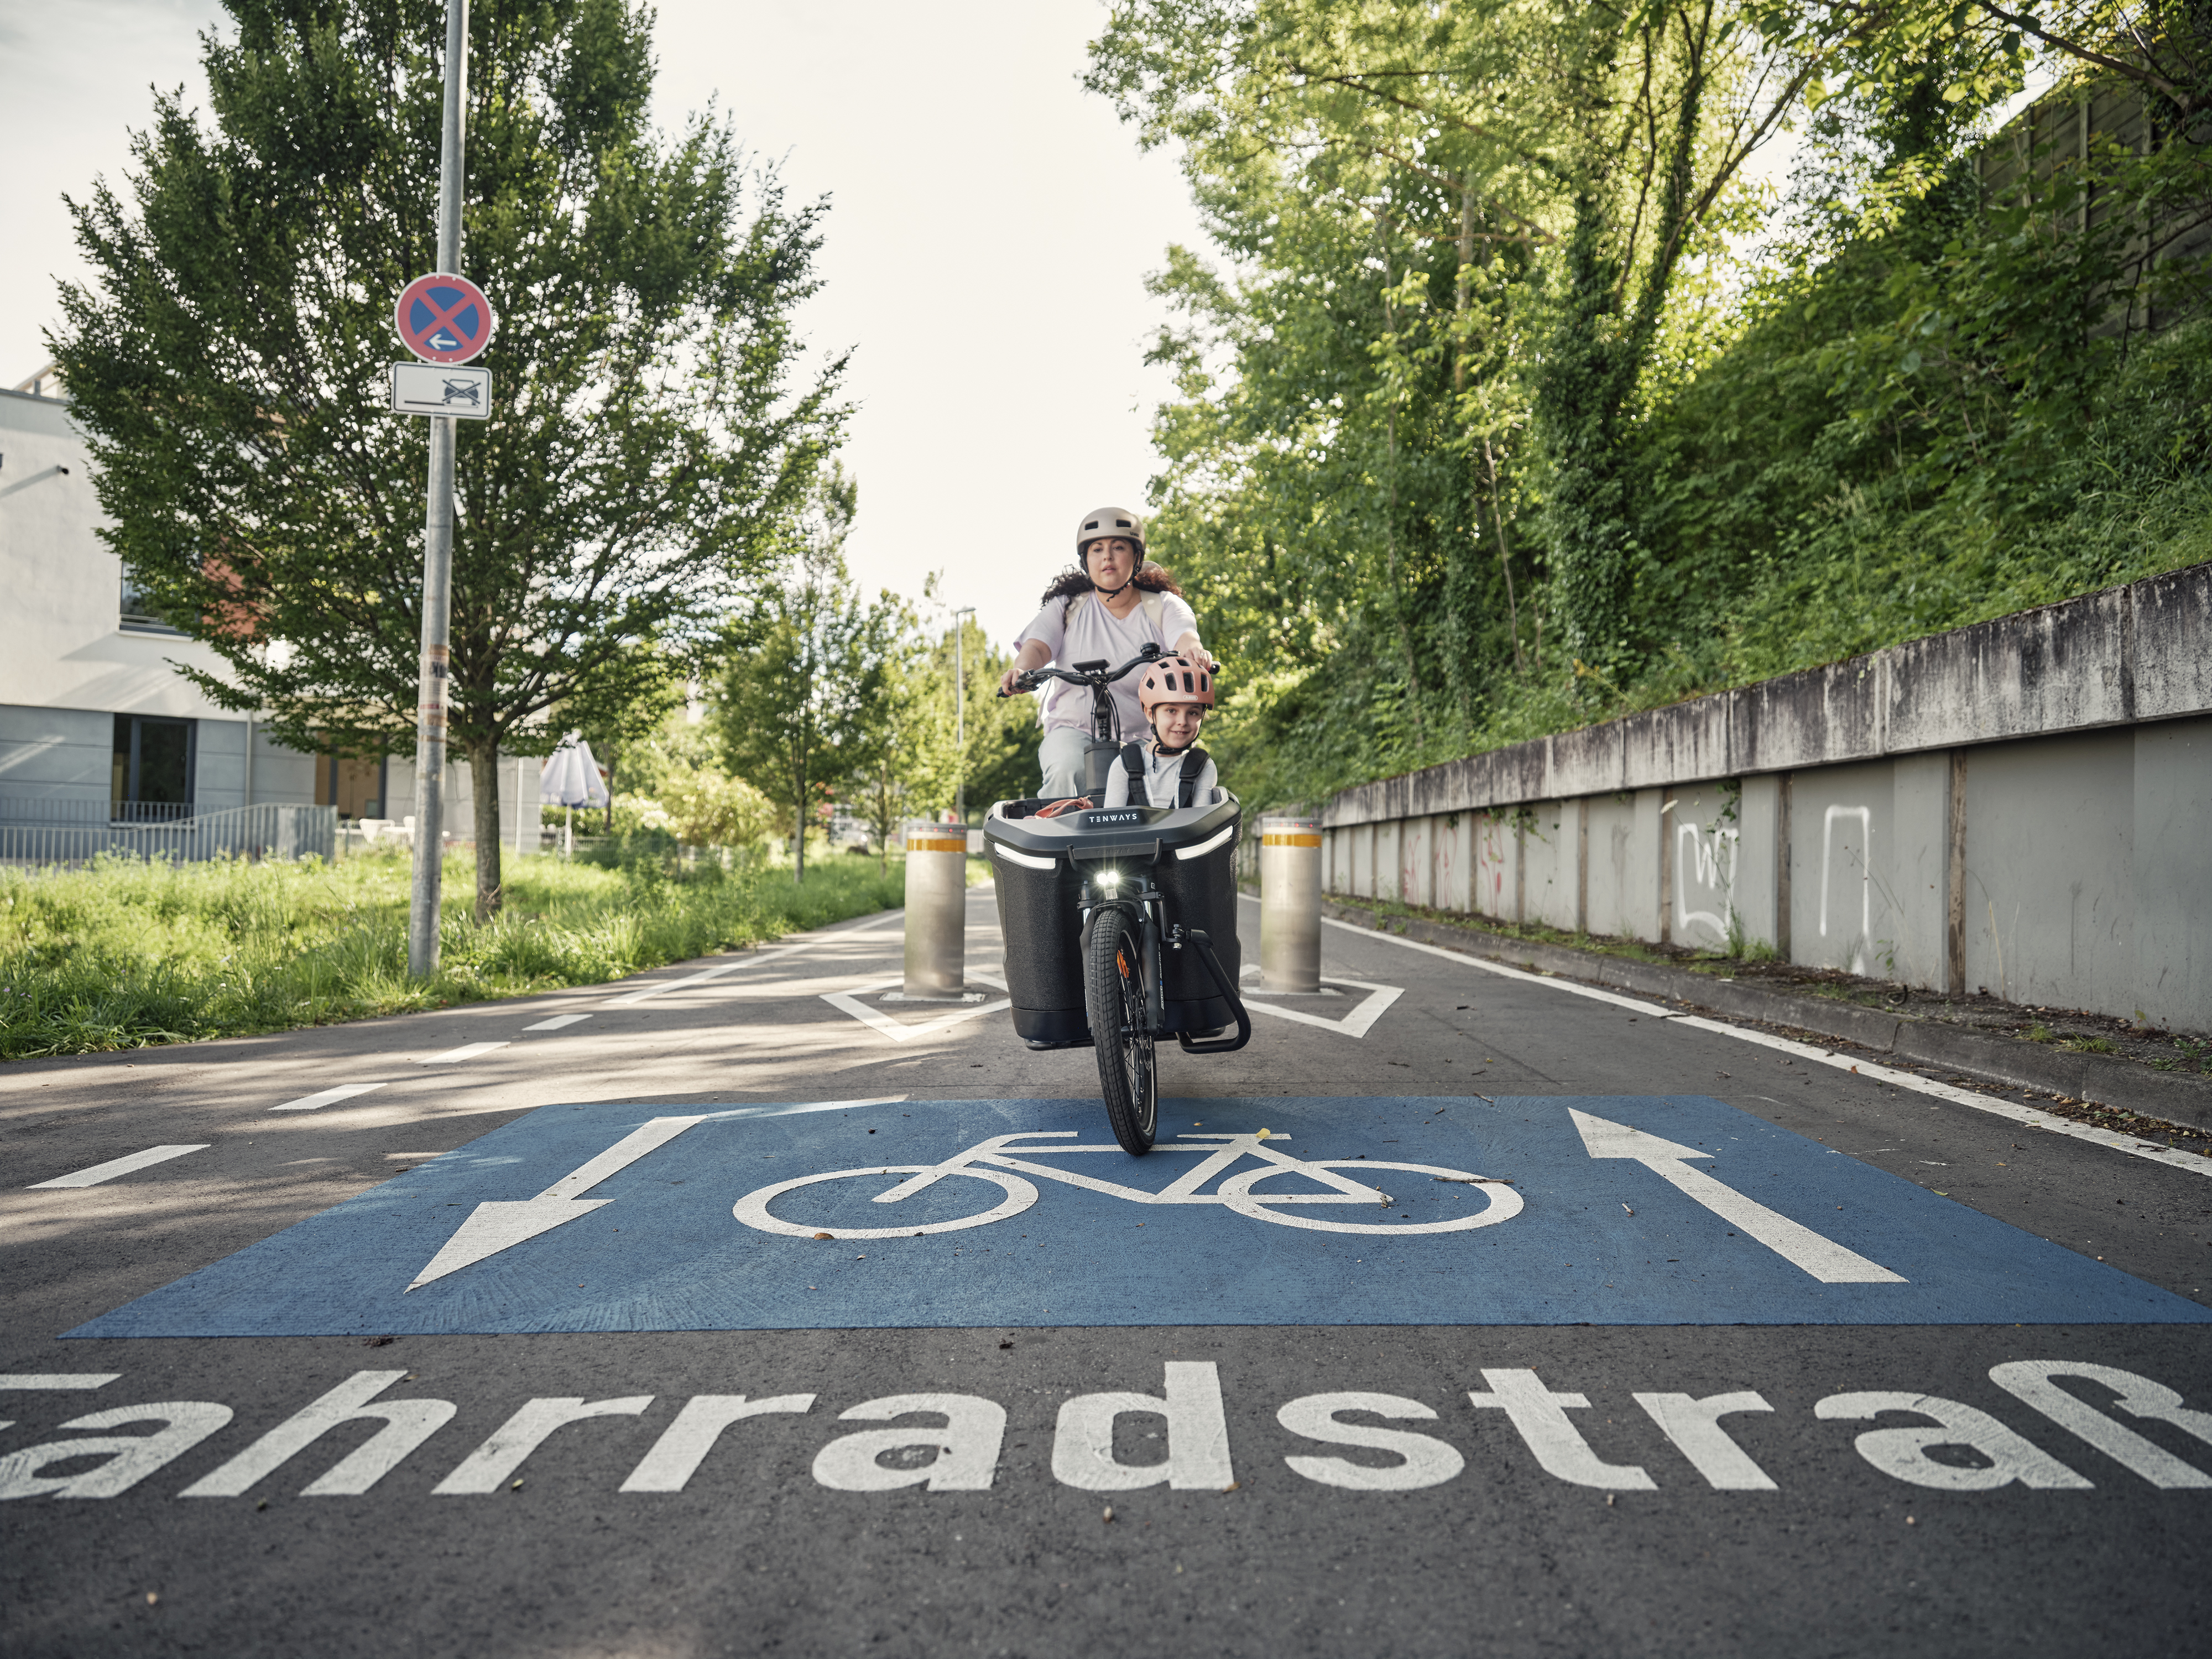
[{"x": 122, "y": 954}]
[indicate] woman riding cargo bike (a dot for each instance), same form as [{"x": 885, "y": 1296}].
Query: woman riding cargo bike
[{"x": 1116, "y": 885}]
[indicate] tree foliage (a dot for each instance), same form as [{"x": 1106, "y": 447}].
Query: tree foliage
[
  {"x": 654, "y": 429},
  {"x": 812, "y": 672},
  {"x": 1506, "y": 403}
]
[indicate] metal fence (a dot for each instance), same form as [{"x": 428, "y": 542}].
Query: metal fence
[{"x": 35, "y": 832}]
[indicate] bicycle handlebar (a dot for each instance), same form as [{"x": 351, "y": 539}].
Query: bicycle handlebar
[{"x": 1029, "y": 679}]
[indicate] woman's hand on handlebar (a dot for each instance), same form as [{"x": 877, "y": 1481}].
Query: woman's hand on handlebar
[{"x": 1021, "y": 676}]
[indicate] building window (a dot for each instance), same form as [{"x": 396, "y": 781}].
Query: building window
[
  {"x": 152, "y": 775},
  {"x": 138, "y": 615}
]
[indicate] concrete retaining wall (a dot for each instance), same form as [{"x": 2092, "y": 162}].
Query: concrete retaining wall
[{"x": 2022, "y": 807}]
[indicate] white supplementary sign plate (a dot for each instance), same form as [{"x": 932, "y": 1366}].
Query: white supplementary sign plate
[{"x": 441, "y": 389}]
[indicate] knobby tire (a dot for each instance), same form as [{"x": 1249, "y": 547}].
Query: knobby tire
[{"x": 1115, "y": 987}]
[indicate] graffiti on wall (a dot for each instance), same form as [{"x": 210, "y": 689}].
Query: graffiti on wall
[{"x": 1704, "y": 857}]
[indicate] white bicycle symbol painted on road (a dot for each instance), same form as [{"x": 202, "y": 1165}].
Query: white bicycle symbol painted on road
[{"x": 991, "y": 1160}]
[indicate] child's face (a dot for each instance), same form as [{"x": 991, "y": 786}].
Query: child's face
[{"x": 1177, "y": 724}]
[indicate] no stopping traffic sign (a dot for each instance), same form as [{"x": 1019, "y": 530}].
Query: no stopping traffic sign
[{"x": 443, "y": 319}]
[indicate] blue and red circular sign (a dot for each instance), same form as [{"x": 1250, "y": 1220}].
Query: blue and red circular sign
[{"x": 442, "y": 319}]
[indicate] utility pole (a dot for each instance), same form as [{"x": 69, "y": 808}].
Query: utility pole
[
  {"x": 960, "y": 713},
  {"x": 438, "y": 552}
]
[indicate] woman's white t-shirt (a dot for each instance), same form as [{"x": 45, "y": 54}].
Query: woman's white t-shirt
[
  {"x": 1094, "y": 633},
  {"x": 1163, "y": 781}
]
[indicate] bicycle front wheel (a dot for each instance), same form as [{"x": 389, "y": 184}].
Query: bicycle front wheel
[{"x": 1114, "y": 985}]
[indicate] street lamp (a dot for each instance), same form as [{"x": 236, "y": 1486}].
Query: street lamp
[{"x": 960, "y": 713}]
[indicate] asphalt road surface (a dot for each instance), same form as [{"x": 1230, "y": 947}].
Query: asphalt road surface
[{"x": 736, "y": 1309}]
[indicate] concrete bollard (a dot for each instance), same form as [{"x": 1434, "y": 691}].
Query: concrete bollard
[
  {"x": 1290, "y": 904},
  {"x": 936, "y": 909}
]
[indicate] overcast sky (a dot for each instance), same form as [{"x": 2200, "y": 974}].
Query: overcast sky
[{"x": 990, "y": 228}]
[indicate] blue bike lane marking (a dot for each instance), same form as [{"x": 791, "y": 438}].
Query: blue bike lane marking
[{"x": 1672, "y": 1209}]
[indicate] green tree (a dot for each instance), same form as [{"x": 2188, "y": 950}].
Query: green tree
[
  {"x": 1486, "y": 352},
  {"x": 1001, "y": 761},
  {"x": 1448, "y": 230},
  {"x": 902, "y": 755},
  {"x": 813, "y": 667},
  {"x": 654, "y": 429},
  {"x": 708, "y": 809}
]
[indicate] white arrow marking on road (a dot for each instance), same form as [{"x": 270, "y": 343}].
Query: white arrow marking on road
[
  {"x": 501, "y": 1224},
  {"x": 1825, "y": 1259}
]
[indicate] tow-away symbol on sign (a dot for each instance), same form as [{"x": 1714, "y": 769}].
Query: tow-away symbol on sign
[
  {"x": 1825, "y": 1259},
  {"x": 501, "y": 1224}
]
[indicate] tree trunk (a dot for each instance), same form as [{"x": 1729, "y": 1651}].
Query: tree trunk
[
  {"x": 1505, "y": 556},
  {"x": 1390, "y": 521},
  {"x": 1459, "y": 291},
  {"x": 614, "y": 758},
  {"x": 483, "y": 782},
  {"x": 798, "y": 832}
]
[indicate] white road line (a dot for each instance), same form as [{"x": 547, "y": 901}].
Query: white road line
[
  {"x": 1865, "y": 1069},
  {"x": 1504, "y": 972},
  {"x": 120, "y": 1166},
  {"x": 849, "y": 1002},
  {"x": 555, "y": 1022},
  {"x": 705, "y": 975},
  {"x": 328, "y": 1097},
  {"x": 803, "y": 1108},
  {"x": 42, "y": 1380},
  {"x": 1357, "y": 1023},
  {"x": 466, "y": 1051}
]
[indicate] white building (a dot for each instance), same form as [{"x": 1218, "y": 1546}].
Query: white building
[{"x": 91, "y": 707}]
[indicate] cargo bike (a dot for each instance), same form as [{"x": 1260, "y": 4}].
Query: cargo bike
[{"x": 1120, "y": 922}]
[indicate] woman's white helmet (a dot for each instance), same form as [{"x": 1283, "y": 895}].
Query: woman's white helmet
[{"x": 1107, "y": 522}]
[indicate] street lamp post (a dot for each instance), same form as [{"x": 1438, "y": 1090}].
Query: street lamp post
[{"x": 960, "y": 713}]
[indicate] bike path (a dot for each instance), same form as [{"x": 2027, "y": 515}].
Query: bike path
[{"x": 1649, "y": 1210}]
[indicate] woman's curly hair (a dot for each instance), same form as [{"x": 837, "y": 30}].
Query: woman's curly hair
[{"x": 1152, "y": 578}]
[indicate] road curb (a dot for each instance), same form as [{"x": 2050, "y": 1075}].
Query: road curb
[{"x": 2100, "y": 1079}]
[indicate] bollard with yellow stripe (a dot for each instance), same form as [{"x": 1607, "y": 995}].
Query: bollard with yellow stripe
[
  {"x": 936, "y": 909},
  {"x": 1290, "y": 903}
]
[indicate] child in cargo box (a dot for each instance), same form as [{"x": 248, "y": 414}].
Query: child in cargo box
[{"x": 1175, "y": 694}]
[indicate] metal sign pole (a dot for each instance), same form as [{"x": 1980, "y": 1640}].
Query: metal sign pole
[
  {"x": 960, "y": 713},
  {"x": 438, "y": 551}
]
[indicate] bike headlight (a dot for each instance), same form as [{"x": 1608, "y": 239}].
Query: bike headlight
[{"x": 1109, "y": 878}]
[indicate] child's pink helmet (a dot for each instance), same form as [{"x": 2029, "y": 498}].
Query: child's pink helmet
[{"x": 1175, "y": 680}]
